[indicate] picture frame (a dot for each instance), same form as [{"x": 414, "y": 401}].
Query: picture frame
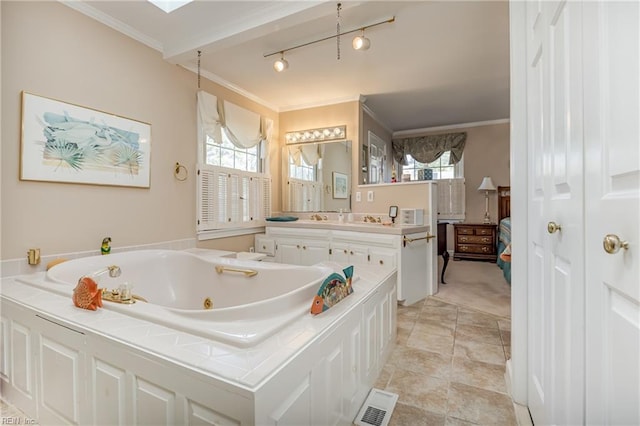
[
  {"x": 340, "y": 185},
  {"x": 68, "y": 143}
]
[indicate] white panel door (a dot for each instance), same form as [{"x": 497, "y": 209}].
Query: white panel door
[
  {"x": 556, "y": 254},
  {"x": 612, "y": 142}
]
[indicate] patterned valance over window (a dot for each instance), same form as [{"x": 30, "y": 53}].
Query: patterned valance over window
[{"x": 427, "y": 149}]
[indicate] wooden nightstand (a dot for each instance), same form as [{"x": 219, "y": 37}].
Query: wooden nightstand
[{"x": 475, "y": 241}]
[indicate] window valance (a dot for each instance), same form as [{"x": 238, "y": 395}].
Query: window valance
[
  {"x": 242, "y": 127},
  {"x": 208, "y": 119},
  {"x": 427, "y": 149}
]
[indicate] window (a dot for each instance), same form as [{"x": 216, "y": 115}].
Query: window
[
  {"x": 441, "y": 169},
  {"x": 302, "y": 171},
  {"x": 234, "y": 195},
  {"x": 228, "y": 155}
]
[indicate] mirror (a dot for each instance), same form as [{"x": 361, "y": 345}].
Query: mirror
[
  {"x": 375, "y": 160},
  {"x": 317, "y": 177}
]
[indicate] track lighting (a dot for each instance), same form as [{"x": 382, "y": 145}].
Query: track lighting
[
  {"x": 361, "y": 42},
  {"x": 281, "y": 64}
]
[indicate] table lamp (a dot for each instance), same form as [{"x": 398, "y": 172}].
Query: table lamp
[{"x": 486, "y": 186}]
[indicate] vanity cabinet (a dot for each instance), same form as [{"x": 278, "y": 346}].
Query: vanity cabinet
[
  {"x": 414, "y": 261},
  {"x": 301, "y": 252}
]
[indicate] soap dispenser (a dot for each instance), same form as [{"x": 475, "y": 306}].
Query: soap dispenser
[{"x": 340, "y": 217}]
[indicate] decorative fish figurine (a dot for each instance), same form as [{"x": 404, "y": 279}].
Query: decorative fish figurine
[
  {"x": 106, "y": 245},
  {"x": 87, "y": 295},
  {"x": 333, "y": 289}
]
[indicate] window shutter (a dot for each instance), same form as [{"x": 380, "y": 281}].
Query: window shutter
[
  {"x": 266, "y": 197},
  {"x": 229, "y": 198},
  {"x": 451, "y": 199}
]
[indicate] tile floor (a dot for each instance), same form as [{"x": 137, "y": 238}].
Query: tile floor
[{"x": 448, "y": 367}]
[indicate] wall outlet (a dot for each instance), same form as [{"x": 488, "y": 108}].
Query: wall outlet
[
  {"x": 369, "y": 196},
  {"x": 358, "y": 196}
]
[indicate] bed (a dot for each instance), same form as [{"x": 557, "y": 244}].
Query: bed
[{"x": 504, "y": 230}]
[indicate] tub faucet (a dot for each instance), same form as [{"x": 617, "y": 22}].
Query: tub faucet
[{"x": 113, "y": 270}]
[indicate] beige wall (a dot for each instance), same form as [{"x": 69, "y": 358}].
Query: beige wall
[{"x": 51, "y": 50}]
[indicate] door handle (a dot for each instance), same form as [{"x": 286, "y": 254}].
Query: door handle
[
  {"x": 612, "y": 244},
  {"x": 553, "y": 227}
]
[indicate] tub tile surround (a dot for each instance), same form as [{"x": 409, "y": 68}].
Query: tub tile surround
[
  {"x": 248, "y": 367},
  {"x": 14, "y": 267}
]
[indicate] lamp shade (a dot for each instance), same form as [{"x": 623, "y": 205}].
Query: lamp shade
[{"x": 487, "y": 184}]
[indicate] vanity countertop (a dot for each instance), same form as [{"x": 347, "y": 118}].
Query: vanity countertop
[{"x": 374, "y": 228}]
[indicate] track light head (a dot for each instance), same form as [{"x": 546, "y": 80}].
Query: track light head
[
  {"x": 361, "y": 42},
  {"x": 281, "y": 64}
]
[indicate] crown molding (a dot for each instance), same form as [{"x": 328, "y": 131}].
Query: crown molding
[
  {"x": 373, "y": 115},
  {"x": 109, "y": 21},
  {"x": 327, "y": 102},
  {"x": 228, "y": 85},
  {"x": 416, "y": 132}
]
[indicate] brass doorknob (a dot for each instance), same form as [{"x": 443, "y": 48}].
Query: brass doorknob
[
  {"x": 612, "y": 244},
  {"x": 553, "y": 227}
]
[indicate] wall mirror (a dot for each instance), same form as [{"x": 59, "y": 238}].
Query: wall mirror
[
  {"x": 317, "y": 177},
  {"x": 375, "y": 160}
]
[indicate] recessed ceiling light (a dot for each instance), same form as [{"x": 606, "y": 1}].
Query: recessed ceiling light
[{"x": 169, "y": 5}]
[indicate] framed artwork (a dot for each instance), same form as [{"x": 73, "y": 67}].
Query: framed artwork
[
  {"x": 340, "y": 185},
  {"x": 63, "y": 142}
]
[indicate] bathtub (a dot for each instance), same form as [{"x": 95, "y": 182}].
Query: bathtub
[{"x": 246, "y": 309}]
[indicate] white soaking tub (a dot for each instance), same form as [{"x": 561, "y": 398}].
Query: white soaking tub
[
  {"x": 210, "y": 297},
  {"x": 248, "y": 361}
]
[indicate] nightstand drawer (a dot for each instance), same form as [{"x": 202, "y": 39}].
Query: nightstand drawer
[
  {"x": 472, "y": 248},
  {"x": 475, "y": 239},
  {"x": 465, "y": 231},
  {"x": 485, "y": 231}
]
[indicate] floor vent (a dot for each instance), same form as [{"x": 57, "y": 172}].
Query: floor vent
[{"x": 377, "y": 408}]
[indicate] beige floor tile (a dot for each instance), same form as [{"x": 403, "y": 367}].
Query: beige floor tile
[
  {"x": 452, "y": 421},
  {"x": 419, "y": 361},
  {"x": 402, "y": 336},
  {"x": 477, "y": 351},
  {"x": 479, "y": 374},
  {"x": 384, "y": 377},
  {"x": 429, "y": 341},
  {"x": 435, "y": 327},
  {"x": 480, "y": 406},
  {"x": 420, "y": 390},
  {"x": 405, "y": 323},
  {"x": 478, "y": 334},
  {"x": 504, "y": 324},
  {"x": 407, "y": 415},
  {"x": 469, "y": 317},
  {"x": 435, "y": 313},
  {"x": 506, "y": 337},
  {"x": 440, "y": 304}
]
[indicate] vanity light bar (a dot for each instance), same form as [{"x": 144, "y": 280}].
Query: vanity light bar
[{"x": 317, "y": 135}]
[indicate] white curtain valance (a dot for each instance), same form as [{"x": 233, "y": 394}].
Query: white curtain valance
[
  {"x": 208, "y": 118},
  {"x": 309, "y": 153},
  {"x": 241, "y": 126}
]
